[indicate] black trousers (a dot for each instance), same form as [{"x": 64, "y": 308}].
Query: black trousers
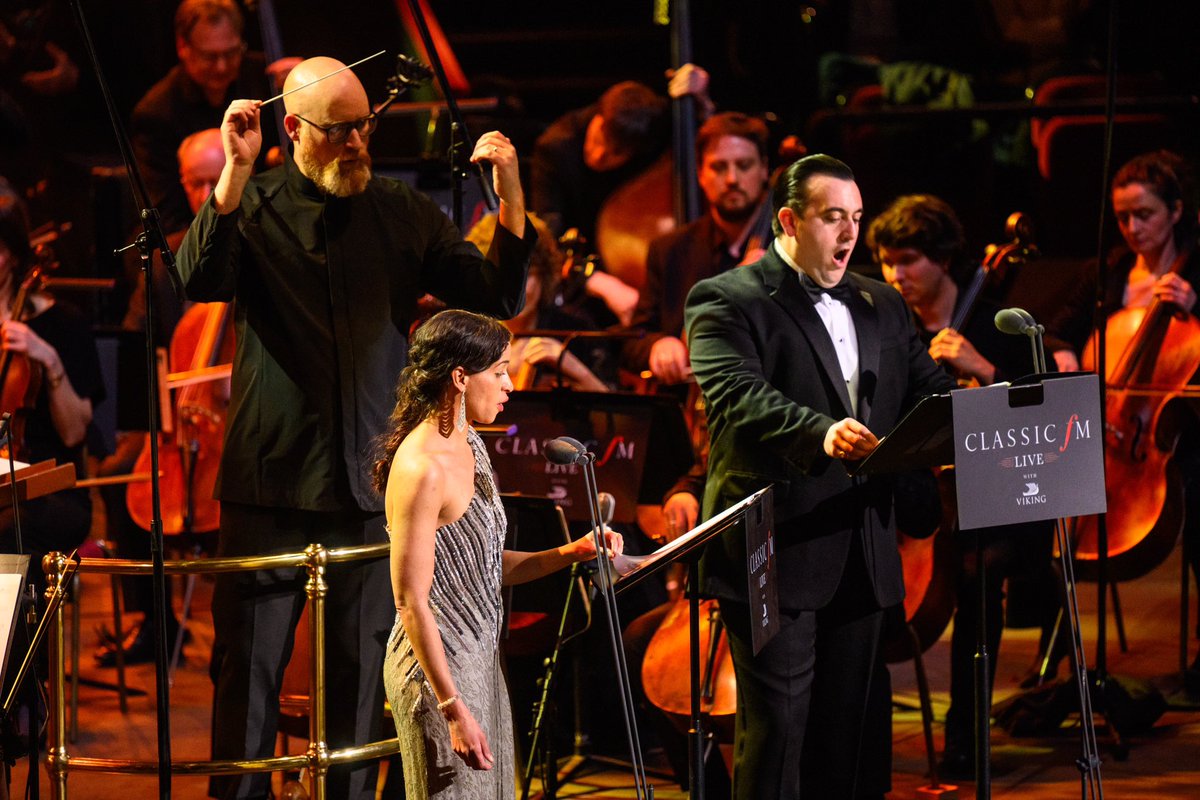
[
  {"x": 254, "y": 622},
  {"x": 803, "y": 699}
]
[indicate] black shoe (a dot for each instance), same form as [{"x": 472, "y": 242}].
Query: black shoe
[{"x": 138, "y": 645}]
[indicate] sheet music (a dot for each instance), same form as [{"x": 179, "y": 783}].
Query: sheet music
[
  {"x": 19, "y": 465},
  {"x": 625, "y": 566},
  {"x": 10, "y": 589}
]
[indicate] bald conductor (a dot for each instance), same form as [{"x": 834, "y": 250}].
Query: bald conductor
[{"x": 326, "y": 262}]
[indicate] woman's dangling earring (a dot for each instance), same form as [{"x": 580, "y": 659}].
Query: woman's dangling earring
[{"x": 460, "y": 422}]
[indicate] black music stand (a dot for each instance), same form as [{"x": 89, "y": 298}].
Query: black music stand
[{"x": 757, "y": 509}]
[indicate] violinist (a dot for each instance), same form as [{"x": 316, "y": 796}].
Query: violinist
[
  {"x": 1155, "y": 204},
  {"x": 325, "y": 261},
  {"x": 918, "y": 243},
  {"x": 586, "y": 154},
  {"x": 214, "y": 67},
  {"x": 52, "y": 387}
]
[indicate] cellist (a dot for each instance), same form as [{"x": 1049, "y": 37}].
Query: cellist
[
  {"x": 54, "y": 361},
  {"x": 1154, "y": 201},
  {"x": 918, "y": 243}
]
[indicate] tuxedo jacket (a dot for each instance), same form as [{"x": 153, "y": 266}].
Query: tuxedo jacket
[{"x": 773, "y": 387}]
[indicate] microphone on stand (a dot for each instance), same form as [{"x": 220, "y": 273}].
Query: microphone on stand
[
  {"x": 411, "y": 71},
  {"x": 1019, "y": 322},
  {"x": 565, "y": 450}
]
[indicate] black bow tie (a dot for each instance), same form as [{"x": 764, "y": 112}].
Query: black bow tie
[{"x": 843, "y": 291}]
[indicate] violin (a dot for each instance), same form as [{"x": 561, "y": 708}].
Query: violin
[
  {"x": 1154, "y": 347},
  {"x": 20, "y": 376},
  {"x": 189, "y": 460}
]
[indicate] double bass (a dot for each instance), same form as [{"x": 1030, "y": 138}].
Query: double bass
[{"x": 1152, "y": 354}]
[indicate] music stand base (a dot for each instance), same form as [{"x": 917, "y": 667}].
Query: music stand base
[{"x": 943, "y": 791}]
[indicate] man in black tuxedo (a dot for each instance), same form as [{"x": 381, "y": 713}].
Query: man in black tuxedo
[{"x": 802, "y": 365}]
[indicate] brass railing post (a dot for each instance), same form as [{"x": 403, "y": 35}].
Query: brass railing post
[
  {"x": 54, "y": 565},
  {"x": 318, "y": 747}
]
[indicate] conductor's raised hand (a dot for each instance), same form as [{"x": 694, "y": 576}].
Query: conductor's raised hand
[
  {"x": 496, "y": 149},
  {"x": 849, "y": 439},
  {"x": 466, "y": 737},
  {"x": 241, "y": 133}
]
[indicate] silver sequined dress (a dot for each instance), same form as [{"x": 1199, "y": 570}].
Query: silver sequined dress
[{"x": 465, "y": 598}]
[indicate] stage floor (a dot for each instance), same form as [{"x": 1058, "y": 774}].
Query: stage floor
[{"x": 1162, "y": 764}]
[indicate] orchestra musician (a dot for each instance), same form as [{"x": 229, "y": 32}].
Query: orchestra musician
[
  {"x": 535, "y": 359},
  {"x": 326, "y": 262},
  {"x": 583, "y": 156},
  {"x": 214, "y": 68},
  {"x": 802, "y": 365},
  {"x": 51, "y": 388},
  {"x": 1155, "y": 204},
  {"x": 731, "y": 149},
  {"x": 918, "y": 243}
]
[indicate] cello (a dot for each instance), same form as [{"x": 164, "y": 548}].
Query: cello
[
  {"x": 1153, "y": 352},
  {"x": 203, "y": 339}
]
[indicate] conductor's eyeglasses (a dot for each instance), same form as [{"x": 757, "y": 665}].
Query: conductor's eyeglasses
[{"x": 339, "y": 132}]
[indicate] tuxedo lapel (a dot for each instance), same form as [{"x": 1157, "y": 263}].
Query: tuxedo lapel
[{"x": 783, "y": 284}]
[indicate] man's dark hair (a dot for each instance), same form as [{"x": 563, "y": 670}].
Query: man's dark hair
[
  {"x": 192, "y": 12},
  {"x": 922, "y": 222},
  {"x": 1169, "y": 176},
  {"x": 634, "y": 118},
  {"x": 792, "y": 190},
  {"x": 732, "y": 123}
]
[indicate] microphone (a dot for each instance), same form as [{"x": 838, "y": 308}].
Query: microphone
[
  {"x": 608, "y": 506},
  {"x": 1015, "y": 321},
  {"x": 1019, "y": 322},
  {"x": 411, "y": 71},
  {"x": 565, "y": 450}
]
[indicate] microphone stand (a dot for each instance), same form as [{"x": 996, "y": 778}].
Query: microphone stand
[
  {"x": 1089, "y": 761},
  {"x": 152, "y": 238},
  {"x": 458, "y": 128},
  {"x": 642, "y": 789}
]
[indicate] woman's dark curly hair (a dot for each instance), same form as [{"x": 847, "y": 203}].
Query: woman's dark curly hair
[{"x": 446, "y": 341}]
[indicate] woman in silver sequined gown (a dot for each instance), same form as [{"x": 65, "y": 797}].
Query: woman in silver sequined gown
[{"x": 442, "y": 668}]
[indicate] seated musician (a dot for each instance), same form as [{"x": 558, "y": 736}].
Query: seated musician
[
  {"x": 587, "y": 153},
  {"x": 535, "y": 359},
  {"x": 731, "y": 149},
  {"x": 1154, "y": 200},
  {"x": 918, "y": 243},
  {"x": 52, "y": 410}
]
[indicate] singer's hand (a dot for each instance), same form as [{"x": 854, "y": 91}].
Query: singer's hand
[
  {"x": 584, "y": 548},
  {"x": 466, "y": 737},
  {"x": 849, "y": 439},
  {"x": 495, "y": 148}
]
